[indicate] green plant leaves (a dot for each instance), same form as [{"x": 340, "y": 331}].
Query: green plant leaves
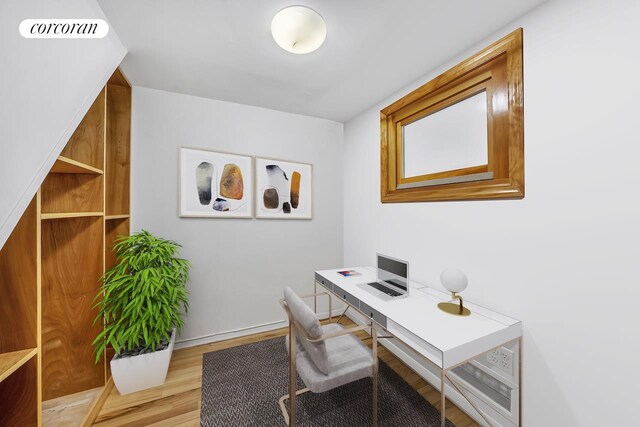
[{"x": 144, "y": 296}]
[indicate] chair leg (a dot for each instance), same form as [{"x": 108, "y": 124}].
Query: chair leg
[
  {"x": 292, "y": 374},
  {"x": 374, "y": 376},
  {"x": 283, "y": 406}
]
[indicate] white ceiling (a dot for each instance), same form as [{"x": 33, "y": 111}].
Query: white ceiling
[{"x": 223, "y": 49}]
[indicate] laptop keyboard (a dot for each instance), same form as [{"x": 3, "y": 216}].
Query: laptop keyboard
[{"x": 384, "y": 289}]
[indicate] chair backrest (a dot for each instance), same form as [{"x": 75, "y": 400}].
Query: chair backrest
[{"x": 307, "y": 319}]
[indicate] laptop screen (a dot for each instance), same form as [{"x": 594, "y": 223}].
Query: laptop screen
[{"x": 393, "y": 272}]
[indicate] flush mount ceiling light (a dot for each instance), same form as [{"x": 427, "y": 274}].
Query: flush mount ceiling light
[{"x": 298, "y": 29}]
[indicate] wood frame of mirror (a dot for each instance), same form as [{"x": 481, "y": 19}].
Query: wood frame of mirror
[{"x": 497, "y": 70}]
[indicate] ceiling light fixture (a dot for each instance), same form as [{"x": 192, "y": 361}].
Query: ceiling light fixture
[{"x": 298, "y": 29}]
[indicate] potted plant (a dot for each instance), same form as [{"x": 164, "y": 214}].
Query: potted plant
[{"x": 141, "y": 303}]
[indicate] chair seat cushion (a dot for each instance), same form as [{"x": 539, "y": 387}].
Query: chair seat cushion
[{"x": 348, "y": 360}]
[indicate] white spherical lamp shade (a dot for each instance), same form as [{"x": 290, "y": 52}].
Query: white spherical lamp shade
[
  {"x": 453, "y": 280},
  {"x": 298, "y": 29}
]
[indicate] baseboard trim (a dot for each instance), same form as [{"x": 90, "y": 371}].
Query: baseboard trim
[
  {"x": 240, "y": 332},
  {"x": 235, "y": 333}
]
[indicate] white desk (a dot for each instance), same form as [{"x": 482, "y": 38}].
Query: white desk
[{"x": 444, "y": 340}]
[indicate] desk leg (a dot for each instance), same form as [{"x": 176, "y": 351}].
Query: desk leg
[
  {"x": 443, "y": 398},
  {"x": 315, "y": 298},
  {"x": 374, "y": 377},
  {"x": 520, "y": 382}
]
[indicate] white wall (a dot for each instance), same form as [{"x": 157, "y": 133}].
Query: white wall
[
  {"x": 240, "y": 266},
  {"x": 46, "y": 87},
  {"x": 564, "y": 260}
]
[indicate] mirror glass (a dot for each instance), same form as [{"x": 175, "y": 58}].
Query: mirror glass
[{"x": 452, "y": 138}]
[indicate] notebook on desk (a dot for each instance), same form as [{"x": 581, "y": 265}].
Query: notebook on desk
[{"x": 392, "y": 278}]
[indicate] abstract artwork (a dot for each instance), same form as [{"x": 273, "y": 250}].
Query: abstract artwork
[
  {"x": 215, "y": 185},
  {"x": 283, "y": 189}
]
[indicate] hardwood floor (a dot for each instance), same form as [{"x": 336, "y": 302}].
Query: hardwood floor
[{"x": 177, "y": 402}]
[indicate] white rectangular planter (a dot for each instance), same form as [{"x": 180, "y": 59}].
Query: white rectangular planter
[{"x": 135, "y": 373}]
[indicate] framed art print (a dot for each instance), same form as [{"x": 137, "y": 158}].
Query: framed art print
[
  {"x": 283, "y": 189},
  {"x": 215, "y": 184}
]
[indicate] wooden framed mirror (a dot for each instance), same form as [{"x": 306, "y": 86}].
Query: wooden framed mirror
[{"x": 459, "y": 136}]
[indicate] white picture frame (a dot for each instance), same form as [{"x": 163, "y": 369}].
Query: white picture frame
[
  {"x": 199, "y": 167},
  {"x": 277, "y": 182}
]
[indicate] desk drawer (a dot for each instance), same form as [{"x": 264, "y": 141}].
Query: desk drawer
[
  {"x": 353, "y": 301},
  {"x": 324, "y": 282},
  {"x": 346, "y": 296},
  {"x": 377, "y": 317},
  {"x": 325, "y": 285}
]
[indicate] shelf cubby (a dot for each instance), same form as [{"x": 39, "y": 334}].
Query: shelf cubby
[
  {"x": 113, "y": 230},
  {"x": 119, "y": 79},
  {"x": 86, "y": 145},
  {"x": 72, "y": 193},
  {"x": 67, "y": 317},
  {"x": 19, "y": 396},
  {"x": 19, "y": 284},
  {"x": 118, "y": 153}
]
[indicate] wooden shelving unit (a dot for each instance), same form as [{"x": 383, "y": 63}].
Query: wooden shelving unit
[{"x": 50, "y": 267}]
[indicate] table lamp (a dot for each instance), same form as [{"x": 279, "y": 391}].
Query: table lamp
[{"x": 454, "y": 281}]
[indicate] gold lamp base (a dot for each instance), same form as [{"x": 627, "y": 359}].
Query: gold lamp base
[{"x": 455, "y": 309}]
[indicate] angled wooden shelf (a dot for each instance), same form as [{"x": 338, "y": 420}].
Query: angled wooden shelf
[
  {"x": 110, "y": 217},
  {"x": 64, "y": 215},
  {"x": 66, "y": 165},
  {"x": 10, "y": 362}
]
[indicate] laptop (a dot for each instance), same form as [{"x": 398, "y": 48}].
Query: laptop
[{"x": 392, "y": 278}]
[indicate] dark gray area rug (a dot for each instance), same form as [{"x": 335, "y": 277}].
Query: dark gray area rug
[{"x": 241, "y": 387}]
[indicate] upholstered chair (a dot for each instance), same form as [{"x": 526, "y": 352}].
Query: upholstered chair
[{"x": 325, "y": 356}]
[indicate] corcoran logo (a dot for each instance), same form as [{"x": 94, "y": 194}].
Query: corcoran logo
[{"x": 64, "y": 28}]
